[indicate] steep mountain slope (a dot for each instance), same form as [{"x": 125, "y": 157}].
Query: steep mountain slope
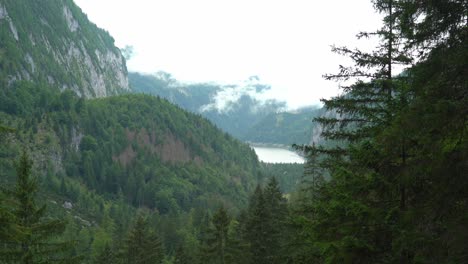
[
  {"x": 190, "y": 98},
  {"x": 52, "y": 42},
  {"x": 100, "y": 158},
  {"x": 155, "y": 154}
]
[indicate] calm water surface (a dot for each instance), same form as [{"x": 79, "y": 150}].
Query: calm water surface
[{"x": 277, "y": 155}]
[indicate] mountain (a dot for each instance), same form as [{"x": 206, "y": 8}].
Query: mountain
[
  {"x": 233, "y": 108},
  {"x": 285, "y": 127},
  {"x": 190, "y": 97},
  {"x": 102, "y": 156},
  {"x": 53, "y": 43},
  {"x": 156, "y": 154}
]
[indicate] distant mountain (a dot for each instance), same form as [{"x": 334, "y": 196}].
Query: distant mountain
[
  {"x": 233, "y": 108},
  {"x": 53, "y": 43},
  {"x": 102, "y": 156},
  {"x": 190, "y": 97},
  {"x": 55, "y": 64},
  {"x": 285, "y": 127}
]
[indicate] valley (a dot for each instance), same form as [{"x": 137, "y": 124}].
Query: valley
[{"x": 100, "y": 164}]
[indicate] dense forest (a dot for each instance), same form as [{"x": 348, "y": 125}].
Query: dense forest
[{"x": 135, "y": 179}]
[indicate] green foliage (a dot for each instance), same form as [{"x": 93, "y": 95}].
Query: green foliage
[
  {"x": 394, "y": 193},
  {"x": 177, "y": 162},
  {"x": 106, "y": 256},
  {"x": 37, "y": 242},
  {"x": 214, "y": 245},
  {"x": 142, "y": 245},
  {"x": 46, "y": 42},
  {"x": 264, "y": 227}
]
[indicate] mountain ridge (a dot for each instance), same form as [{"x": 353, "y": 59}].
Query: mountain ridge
[{"x": 54, "y": 43}]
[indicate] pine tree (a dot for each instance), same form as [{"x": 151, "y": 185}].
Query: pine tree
[
  {"x": 237, "y": 247},
  {"x": 214, "y": 244},
  {"x": 353, "y": 214},
  {"x": 256, "y": 227},
  {"x": 221, "y": 224},
  {"x": 181, "y": 256},
  {"x": 204, "y": 237},
  {"x": 106, "y": 256},
  {"x": 406, "y": 140},
  {"x": 39, "y": 242},
  {"x": 277, "y": 211},
  {"x": 9, "y": 231},
  {"x": 142, "y": 245}
]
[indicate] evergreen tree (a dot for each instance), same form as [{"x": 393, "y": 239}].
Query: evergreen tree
[
  {"x": 353, "y": 213},
  {"x": 405, "y": 145},
  {"x": 276, "y": 207},
  {"x": 214, "y": 246},
  {"x": 39, "y": 243},
  {"x": 205, "y": 249},
  {"x": 256, "y": 227},
  {"x": 8, "y": 229},
  {"x": 106, "y": 256},
  {"x": 237, "y": 247},
  {"x": 221, "y": 225},
  {"x": 181, "y": 256},
  {"x": 142, "y": 245}
]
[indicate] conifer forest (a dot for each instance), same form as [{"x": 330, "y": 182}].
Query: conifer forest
[{"x": 94, "y": 169}]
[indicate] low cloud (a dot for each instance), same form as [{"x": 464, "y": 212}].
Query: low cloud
[{"x": 249, "y": 94}]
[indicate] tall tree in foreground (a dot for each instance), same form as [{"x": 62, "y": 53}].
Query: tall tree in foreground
[
  {"x": 395, "y": 196},
  {"x": 9, "y": 231},
  {"x": 214, "y": 245},
  {"x": 39, "y": 242}
]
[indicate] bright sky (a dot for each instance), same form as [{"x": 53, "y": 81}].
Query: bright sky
[{"x": 285, "y": 43}]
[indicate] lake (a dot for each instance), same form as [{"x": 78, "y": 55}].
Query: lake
[{"x": 277, "y": 155}]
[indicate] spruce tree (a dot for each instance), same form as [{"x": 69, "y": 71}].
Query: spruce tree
[
  {"x": 277, "y": 212},
  {"x": 39, "y": 242},
  {"x": 181, "y": 256},
  {"x": 106, "y": 256},
  {"x": 215, "y": 242},
  {"x": 353, "y": 214},
  {"x": 142, "y": 245},
  {"x": 256, "y": 227},
  {"x": 406, "y": 139},
  {"x": 237, "y": 247},
  {"x": 221, "y": 224},
  {"x": 9, "y": 230}
]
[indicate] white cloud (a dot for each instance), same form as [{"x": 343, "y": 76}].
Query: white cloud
[{"x": 285, "y": 43}]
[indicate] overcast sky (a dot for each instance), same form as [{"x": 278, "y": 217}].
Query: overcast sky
[{"x": 285, "y": 43}]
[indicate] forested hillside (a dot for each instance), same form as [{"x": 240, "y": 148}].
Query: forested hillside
[
  {"x": 103, "y": 156},
  {"x": 135, "y": 179},
  {"x": 139, "y": 145}
]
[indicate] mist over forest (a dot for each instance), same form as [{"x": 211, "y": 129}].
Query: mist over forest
[{"x": 100, "y": 163}]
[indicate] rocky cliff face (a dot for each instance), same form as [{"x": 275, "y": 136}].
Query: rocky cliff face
[{"x": 53, "y": 43}]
